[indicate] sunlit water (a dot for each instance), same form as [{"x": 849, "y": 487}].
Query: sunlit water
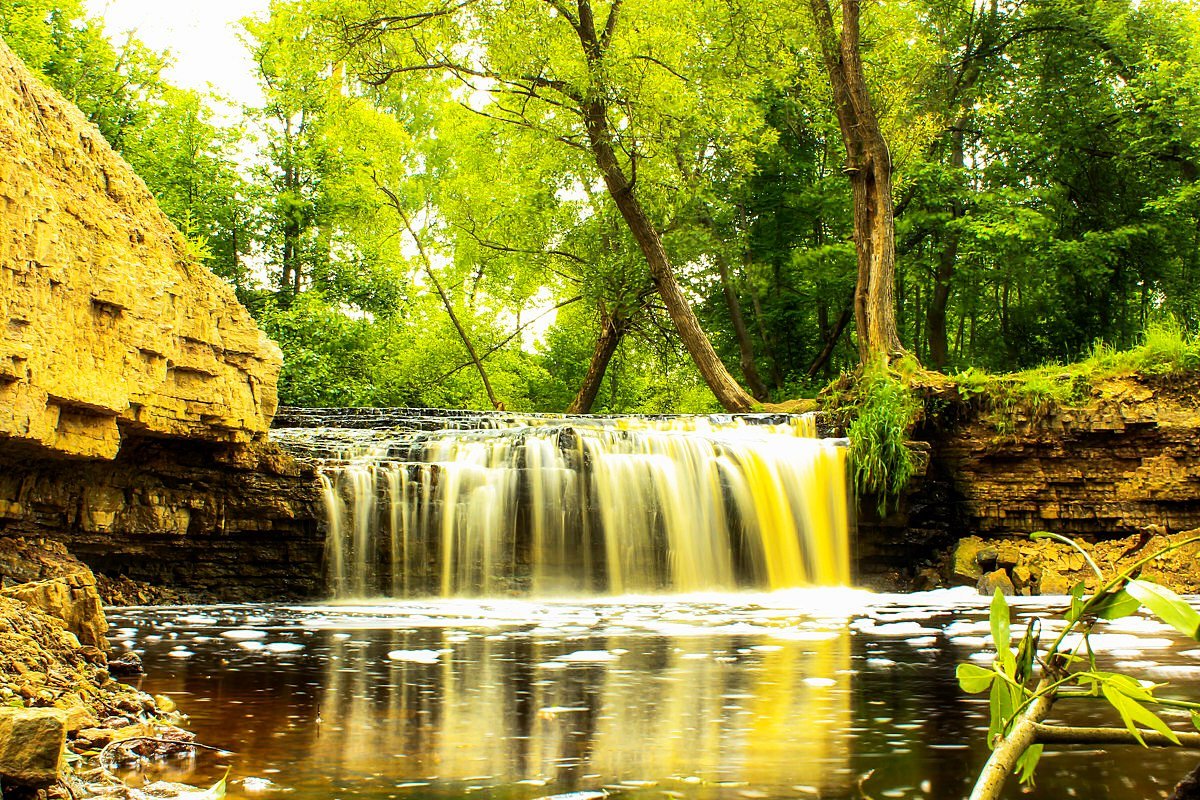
[{"x": 808, "y": 694}]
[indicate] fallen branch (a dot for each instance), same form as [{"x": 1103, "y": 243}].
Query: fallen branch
[
  {"x": 1062, "y": 734},
  {"x": 1003, "y": 760},
  {"x": 112, "y": 747}
]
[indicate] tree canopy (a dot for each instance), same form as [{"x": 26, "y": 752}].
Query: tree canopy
[{"x": 624, "y": 205}]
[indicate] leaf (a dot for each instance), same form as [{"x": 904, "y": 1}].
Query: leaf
[
  {"x": 1196, "y": 720},
  {"x": 1028, "y": 762},
  {"x": 1002, "y": 705},
  {"x": 1167, "y": 606},
  {"x": 974, "y": 679},
  {"x": 1115, "y": 606},
  {"x": 1002, "y": 632},
  {"x": 1134, "y": 714}
]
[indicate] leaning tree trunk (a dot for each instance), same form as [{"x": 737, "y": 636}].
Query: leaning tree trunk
[
  {"x": 445, "y": 298},
  {"x": 613, "y": 330},
  {"x": 869, "y": 167},
  {"x": 594, "y": 109}
]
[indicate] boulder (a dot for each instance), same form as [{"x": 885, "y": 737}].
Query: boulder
[
  {"x": 32, "y": 742},
  {"x": 966, "y": 567},
  {"x": 997, "y": 579},
  {"x": 73, "y": 600}
]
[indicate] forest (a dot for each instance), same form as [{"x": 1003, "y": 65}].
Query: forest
[{"x": 647, "y": 205}]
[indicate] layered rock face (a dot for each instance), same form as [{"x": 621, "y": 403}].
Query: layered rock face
[
  {"x": 135, "y": 392},
  {"x": 211, "y": 521},
  {"x": 108, "y": 326},
  {"x": 1127, "y": 462}
]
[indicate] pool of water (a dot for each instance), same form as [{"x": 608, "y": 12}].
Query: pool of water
[{"x": 808, "y": 694}]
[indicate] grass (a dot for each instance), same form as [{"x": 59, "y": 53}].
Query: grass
[
  {"x": 1167, "y": 349},
  {"x": 882, "y": 409}
]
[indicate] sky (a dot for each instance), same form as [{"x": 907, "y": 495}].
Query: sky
[{"x": 202, "y": 36}]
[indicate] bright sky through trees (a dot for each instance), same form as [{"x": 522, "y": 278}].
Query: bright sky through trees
[{"x": 202, "y": 35}]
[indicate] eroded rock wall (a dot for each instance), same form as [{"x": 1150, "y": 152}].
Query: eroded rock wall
[
  {"x": 1125, "y": 462},
  {"x": 108, "y": 325},
  {"x": 211, "y": 521}
]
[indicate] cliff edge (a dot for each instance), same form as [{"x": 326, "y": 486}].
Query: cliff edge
[{"x": 108, "y": 325}]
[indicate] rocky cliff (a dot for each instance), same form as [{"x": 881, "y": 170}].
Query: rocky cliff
[
  {"x": 135, "y": 392},
  {"x": 1123, "y": 461},
  {"x": 108, "y": 325}
]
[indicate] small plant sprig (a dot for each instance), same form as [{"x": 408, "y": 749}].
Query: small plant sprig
[{"x": 1024, "y": 684}]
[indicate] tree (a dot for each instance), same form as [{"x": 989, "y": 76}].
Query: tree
[
  {"x": 869, "y": 166},
  {"x": 581, "y": 79}
]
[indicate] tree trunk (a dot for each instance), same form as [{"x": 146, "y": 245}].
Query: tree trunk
[
  {"x": 939, "y": 346},
  {"x": 445, "y": 298},
  {"x": 831, "y": 340},
  {"x": 620, "y": 187},
  {"x": 741, "y": 332},
  {"x": 869, "y": 167},
  {"x": 613, "y": 330}
]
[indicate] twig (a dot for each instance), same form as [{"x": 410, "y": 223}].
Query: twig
[
  {"x": 112, "y": 746},
  {"x": 1063, "y": 734}
]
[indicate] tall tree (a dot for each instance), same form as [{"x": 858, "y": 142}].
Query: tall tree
[
  {"x": 582, "y": 78},
  {"x": 869, "y": 167}
]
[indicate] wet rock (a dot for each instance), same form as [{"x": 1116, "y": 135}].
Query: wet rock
[
  {"x": 125, "y": 665},
  {"x": 32, "y": 743},
  {"x": 965, "y": 566},
  {"x": 1023, "y": 580},
  {"x": 89, "y": 738},
  {"x": 997, "y": 579},
  {"x": 72, "y": 599}
]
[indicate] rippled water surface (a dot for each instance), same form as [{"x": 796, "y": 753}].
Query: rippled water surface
[{"x": 812, "y": 694}]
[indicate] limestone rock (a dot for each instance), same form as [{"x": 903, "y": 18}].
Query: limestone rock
[
  {"x": 23, "y": 560},
  {"x": 966, "y": 559},
  {"x": 109, "y": 325},
  {"x": 997, "y": 579},
  {"x": 32, "y": 743},
  {"x": 74, "y": 600}
]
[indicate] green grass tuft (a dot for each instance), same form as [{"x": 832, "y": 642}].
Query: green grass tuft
[{"x": 880, "y": 458}]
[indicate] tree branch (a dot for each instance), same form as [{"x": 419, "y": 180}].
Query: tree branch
[{"x": 1066, "y": 734}]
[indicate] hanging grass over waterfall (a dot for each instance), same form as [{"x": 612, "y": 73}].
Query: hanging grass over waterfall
[{"x": 881, "y": 413}]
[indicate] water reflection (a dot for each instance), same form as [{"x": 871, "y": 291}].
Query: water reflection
[{"x": 737, "y": 697}]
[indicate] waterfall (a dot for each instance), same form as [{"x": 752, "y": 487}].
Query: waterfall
[{"x": 563, "y": 506}]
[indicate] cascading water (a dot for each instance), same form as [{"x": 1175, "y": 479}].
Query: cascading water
[{"x": 563, "y": 506}]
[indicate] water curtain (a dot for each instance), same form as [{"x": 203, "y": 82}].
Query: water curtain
[{"x": 563, "y": 507}]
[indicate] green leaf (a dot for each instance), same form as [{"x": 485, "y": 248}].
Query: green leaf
[
  {"x": 1002, "y": 632},
  {"x": 1115, "y": 606},
  {"x": 1134, "y": 714},
  {"x": 1196, "y": 720},
  {"x": 1028, "y": 762},
  {"x": 1002, "y": 703},
  {"x": 973, "y": 679},
  {"x": 1167, "y": 606}
]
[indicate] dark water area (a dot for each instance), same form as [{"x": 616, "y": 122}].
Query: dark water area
[{"x": 806, "y": 694}]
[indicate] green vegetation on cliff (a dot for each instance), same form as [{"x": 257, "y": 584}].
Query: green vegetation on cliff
[{"x": 1027, "y": 228}]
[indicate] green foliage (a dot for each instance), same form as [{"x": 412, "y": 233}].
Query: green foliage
[
  {"x": 1167, "y": 349},
  {"x": 883, "y": 412},
  {"x": 1069, "y": 669}
]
